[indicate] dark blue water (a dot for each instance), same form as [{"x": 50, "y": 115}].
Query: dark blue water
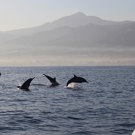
[{"x": 104, "y": 106}]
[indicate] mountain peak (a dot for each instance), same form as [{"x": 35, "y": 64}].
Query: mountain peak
[{"x": 79, "y": 14}]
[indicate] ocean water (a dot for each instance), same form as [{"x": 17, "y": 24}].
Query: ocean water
[{"x": 104, "y": 106}]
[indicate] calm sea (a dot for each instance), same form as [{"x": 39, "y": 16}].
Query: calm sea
[{"x": 104, "y": 106}]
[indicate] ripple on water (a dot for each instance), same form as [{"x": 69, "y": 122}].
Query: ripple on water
[{"x": 104, "y": 106}]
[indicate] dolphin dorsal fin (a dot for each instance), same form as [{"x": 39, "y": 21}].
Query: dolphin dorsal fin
[{"x": 75, "y": 76}]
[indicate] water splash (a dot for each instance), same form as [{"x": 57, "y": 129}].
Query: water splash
[
  {"x": 133, "y": 132},
  {"x": 71, "y": 86}
]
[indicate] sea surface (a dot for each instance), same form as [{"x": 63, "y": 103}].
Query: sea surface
[{"x": 104, "y": 106}]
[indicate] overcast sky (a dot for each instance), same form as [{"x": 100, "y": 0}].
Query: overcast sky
[{"x": 15, "y": 14}]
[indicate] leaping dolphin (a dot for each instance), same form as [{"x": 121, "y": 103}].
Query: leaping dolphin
[
  {"x": 26, "y": 84},
  {"x": 76, "y": 79},
  {"x": 52, "y": 80}
]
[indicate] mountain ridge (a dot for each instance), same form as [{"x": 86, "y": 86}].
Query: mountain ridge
[{"x": 78, "y": 15}]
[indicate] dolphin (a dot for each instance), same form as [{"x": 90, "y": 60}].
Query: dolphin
[
  {"x": 26, "y": 84},
  {"x": 52, "y": 80},
  {"x": 76, "y": 79}
]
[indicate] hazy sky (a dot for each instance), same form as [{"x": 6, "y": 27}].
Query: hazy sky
[{"x": 16, "y": 14}]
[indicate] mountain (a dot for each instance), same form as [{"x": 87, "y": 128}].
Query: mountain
[
  {"x": 75, "y": 20},
  {"x": 87, "y": 39}
]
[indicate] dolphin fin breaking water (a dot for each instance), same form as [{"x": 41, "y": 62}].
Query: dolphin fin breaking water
[
  {"x": 26, "y": 84},
  {"x": 52, "y": 80}
]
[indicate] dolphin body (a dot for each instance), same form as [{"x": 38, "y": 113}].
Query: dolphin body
[
  {"x": 26, "y": 84},
  {"x": 52, "y": 80},
  {"x": 76, "y": 79}
]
